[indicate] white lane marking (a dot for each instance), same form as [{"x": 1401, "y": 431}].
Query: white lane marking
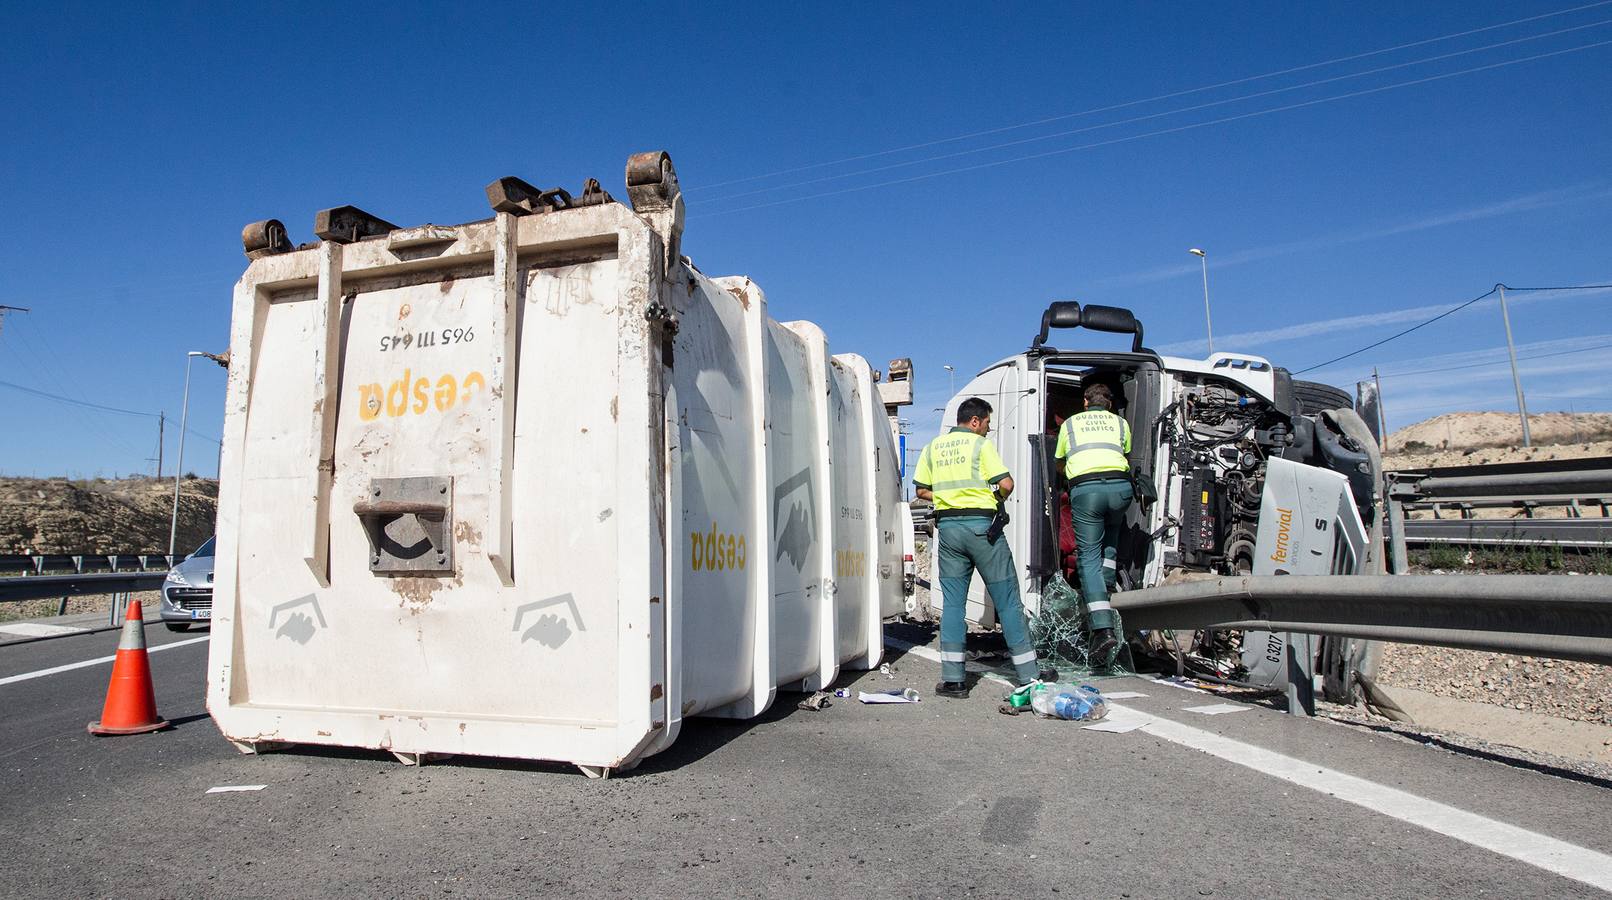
[
  {"x": 1216, "y": 709},
  {"x": 235, "y": 788},
  {"x": 1542, "y": 851},
  {"x": 37, "y": 629},
  {"x": 1123, "y": 695},
  {"x": 94, "y": 662}
]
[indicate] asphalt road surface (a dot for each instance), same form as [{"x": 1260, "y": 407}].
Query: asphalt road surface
[{"x": 943, "y": 798}]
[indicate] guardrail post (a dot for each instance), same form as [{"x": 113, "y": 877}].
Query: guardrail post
[
  {"x": 1301, "y": 674},
  {"x": 1398, "y": 563}
]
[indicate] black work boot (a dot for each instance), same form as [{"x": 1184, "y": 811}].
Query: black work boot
[
  {"x": 957, "y": 689},
  {"x": 1103, "y": 644}
]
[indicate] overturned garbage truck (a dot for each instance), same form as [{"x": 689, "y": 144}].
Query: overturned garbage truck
[
  {"x": 1240, "y": 469},
  {"x": 535, "y": 487}
]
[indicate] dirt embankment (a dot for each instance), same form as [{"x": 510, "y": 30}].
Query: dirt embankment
[
  {"x": 1570, "y": 690},
  {"x": 1468, "y": 439},
  {"x": 129, "y": 515}
]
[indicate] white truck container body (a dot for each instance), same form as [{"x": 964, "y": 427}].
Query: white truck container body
[{"x": 535, "y": 487}]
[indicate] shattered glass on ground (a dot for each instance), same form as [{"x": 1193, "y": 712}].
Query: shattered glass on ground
[{"x": 1061, "y": 638}]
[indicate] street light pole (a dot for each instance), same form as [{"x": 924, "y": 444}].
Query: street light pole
[
  {"x": 952, "y": 373},
  {"x": 179, "y": 467},
  {"x": 1516, "y": 380},
  {"x": 1208, "y": 326}
]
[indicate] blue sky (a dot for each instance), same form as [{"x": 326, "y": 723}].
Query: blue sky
[{"x": 873, "y": 167}]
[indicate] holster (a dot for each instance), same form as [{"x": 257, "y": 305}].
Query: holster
[{"x": 998, "y": 524}]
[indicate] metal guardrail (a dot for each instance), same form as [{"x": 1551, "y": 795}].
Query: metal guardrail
[
  {"x": 1552, "y": 482},
  {"x": 43, "y": 563},
  {"x": 1559, "y": 616},
  {"x": 1580, "y": 533},
  {"x": 49, "y": 587},
  {"x": 1570, "y": 484}
]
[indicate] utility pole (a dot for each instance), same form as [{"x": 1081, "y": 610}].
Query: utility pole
[
  {"x": 1516, "y": 380},
  {"x": 161, "y": 417},
  {"x": 5, "y": 309},
  {"x": 1382, "y": 413}
]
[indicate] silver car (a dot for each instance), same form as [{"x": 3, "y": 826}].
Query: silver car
[{"x": 187, "y": 593}]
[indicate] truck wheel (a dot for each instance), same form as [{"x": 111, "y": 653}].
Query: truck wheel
[{"x": 1314, "y": 397}]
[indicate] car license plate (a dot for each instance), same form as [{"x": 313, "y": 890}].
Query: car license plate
[{"x": 201, "y": 614}]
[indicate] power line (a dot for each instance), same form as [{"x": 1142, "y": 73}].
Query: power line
[
  {"x": 1499, "y": 362},
  {"x": 1163, "y": 131},
  {"x": 1159, "y": 115},
  {"x": 1169, "y": 96},
  {"x": 84, "y": 403},
  {"x": 1454, "y": 309},
  {"x": 46, "y": 365},
  {"x": 97, "y": 406},
  {"x": 1490, "y": 398},
  {"x": 1574, "y": 287},
  {"x": 1489, "y": 293}
]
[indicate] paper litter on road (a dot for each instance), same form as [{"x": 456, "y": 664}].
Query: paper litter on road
[
  {"x": 234, "y": 788},
  {"x": 818, "y": 700},
  {"x": 1116, "y": 724},
  {"x": 1215, "y": 709},
  {"x": 907, "y": 696},
  {"x": 1185, "y": 684},
  {"x": 1123, "y": 695}
]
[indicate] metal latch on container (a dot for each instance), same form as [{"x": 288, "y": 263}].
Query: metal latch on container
[{"x": 408, "y": 522}]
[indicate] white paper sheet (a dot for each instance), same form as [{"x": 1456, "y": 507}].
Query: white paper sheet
[
  {"x": 1216, "y": 709},
  {"x": 1116, "y": 725},
  {"x": 875, "y": 697}
]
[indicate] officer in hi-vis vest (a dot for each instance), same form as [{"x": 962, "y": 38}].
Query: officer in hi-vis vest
[
  {"x": 963, "y": 475},
  {"x": 1093, "y": 449}
]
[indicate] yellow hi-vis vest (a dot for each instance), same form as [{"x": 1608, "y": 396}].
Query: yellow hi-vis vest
[
  {"x": 961, "y": 467},
  {"x": 1094, "y": 441}
]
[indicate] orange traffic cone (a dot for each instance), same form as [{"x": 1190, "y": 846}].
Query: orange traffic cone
[{"x": 131, "y": 706}]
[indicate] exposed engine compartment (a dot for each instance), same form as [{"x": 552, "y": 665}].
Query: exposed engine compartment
[{"x": 1220, "y": 441}]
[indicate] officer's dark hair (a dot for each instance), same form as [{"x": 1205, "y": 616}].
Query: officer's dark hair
[
  {"x": 971, "y": 408},
  {"x": 1099, "y": 396}
]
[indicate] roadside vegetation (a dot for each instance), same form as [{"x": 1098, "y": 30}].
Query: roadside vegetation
[{"x": 1526, "y": 559}]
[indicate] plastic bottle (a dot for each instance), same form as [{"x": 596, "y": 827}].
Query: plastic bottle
[{"x": 1066, "y": 701}]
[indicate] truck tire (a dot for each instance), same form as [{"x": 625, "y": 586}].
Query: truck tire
[{"x": 1313, "y": 397}]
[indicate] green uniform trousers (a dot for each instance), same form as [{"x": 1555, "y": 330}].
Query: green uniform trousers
[
  {"x": 1098, "y": 509},
  {"x": 963, "y": 548}
]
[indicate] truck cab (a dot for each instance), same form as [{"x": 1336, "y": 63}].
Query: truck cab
[{"x": 1223, "y": 450}]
